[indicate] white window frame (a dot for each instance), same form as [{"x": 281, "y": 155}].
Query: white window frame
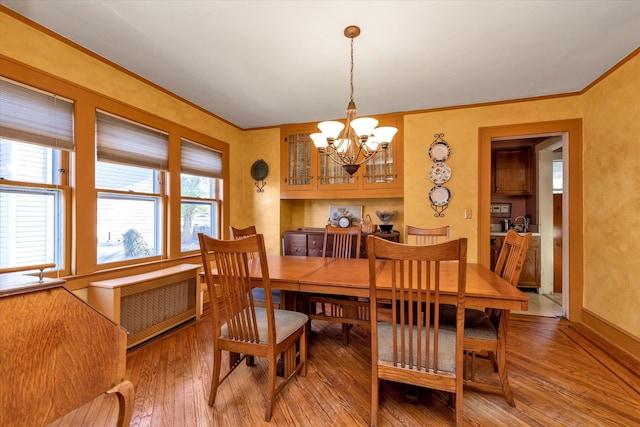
[
  {"x": 132, "y": 144},
  {"x": 198, "y": 160},
  {"x": 34, "y": 117}
]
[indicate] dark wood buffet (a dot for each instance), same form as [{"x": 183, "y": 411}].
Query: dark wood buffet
[{"x": 307, "y": 241}]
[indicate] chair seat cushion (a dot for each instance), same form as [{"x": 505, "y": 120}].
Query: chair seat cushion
[
  {"x": 258, "y": 295},
  {"x": 287, "y": 322},
  {"x": 476, "y": 323},
  {"x": 446, "y": 346}
]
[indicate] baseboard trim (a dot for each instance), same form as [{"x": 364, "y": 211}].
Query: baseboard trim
[
  {"x": 602, "y": 341},
  {"x": 612, "y": 333}
]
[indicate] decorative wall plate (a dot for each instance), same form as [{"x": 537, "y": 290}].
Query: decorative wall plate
[
  {"x": 259, "y": 170},
  {"x": 439, "y": 195},
  {"x": 439, "y": 151},
  {"x": 440, "y": 173}
]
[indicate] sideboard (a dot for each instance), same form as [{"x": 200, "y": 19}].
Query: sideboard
[{"x": 307, "y": 241}]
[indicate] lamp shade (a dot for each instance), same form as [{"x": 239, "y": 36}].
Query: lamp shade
[
  {"x": 319, "y": 140},
  {"x": 330, "y": 129},
  {"x": 372, "y": 143},
  {"x": 385, "y": 133},
  {"x": 364, "y": 125}
]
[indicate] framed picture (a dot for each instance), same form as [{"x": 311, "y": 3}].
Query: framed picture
[{"x": 354, "y": 213}]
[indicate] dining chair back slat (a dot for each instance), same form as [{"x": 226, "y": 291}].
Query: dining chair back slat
[
  {"x": 407, "y": 343},
  {"x": 511, "y": 258},
  {"x": 258, "y": 293},
  {"x": 425, "y": 236},
  {"x": 239, "y": 325},
  {"x": 339, "y": 243},
  {"x": 343, "y": 241},
  {"x": 486, "y": 330}
]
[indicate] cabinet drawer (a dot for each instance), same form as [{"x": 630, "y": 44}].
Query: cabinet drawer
[
  {"x": 314, "y": 244},
  {"x": 296, "y": 244}
]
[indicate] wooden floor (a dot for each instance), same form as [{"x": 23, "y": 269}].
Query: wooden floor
[
  {"x": 558, "y": 373},
  {"x": 543, "y": 305}
]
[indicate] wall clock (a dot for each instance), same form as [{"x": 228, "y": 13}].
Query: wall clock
[{"x": 344, "y": 222}]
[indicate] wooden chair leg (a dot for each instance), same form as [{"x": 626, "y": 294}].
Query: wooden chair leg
[
  {"x": 250, "y": 360},
  {"x": 375, "y": 396},
  {"x": 492, "y": 359},
  {"x": 215, "y": 376},
  {"x": 272, "y": 388},
  {"x": 124, "y": 392},
  {"x": 346, "y": 328},
  {"x": 233, "y": 359},
  {"x": 501, "y": 362},
  {"x": 303, "y": 352}
]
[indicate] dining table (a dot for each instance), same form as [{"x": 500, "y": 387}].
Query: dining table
[{"x": 350, "y": 277}]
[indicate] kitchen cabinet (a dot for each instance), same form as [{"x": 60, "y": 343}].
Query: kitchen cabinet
[
  {"x": 530, "y": 276},
  {"x": 308, "y": 241},
  {"x": 306, "y": 174},
  {"x": 496, "y": 245},
  {"x": 512, "y": 171}
]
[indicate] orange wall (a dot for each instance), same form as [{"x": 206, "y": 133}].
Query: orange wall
[
  {"x": 460, "y": 128},
  {"x": 612, "y": 198},
  {"x": 611, "y": 164}
]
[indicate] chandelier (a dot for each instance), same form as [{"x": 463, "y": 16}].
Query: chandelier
[{"x": 355, "y": 142}]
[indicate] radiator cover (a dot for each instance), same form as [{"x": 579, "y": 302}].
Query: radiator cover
[{"x": 149, "y": 304}]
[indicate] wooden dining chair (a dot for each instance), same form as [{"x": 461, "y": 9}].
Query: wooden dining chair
[
  {"x": 425, "y": 236},
  {"x": 407, "y": 344},
  {"x": 485, "y": 332},
  {"x": 258, "y": 293},
  {"x": 242, "y": 328},
  {"x": 340, "y": 243}
]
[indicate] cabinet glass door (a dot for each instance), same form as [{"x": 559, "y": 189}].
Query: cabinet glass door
[
  {"x": 379, "y": 169},
  {"x": 333, "y": 176},
  {"x": 298, "y": 150}
]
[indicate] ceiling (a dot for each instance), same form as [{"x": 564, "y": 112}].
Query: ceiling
[{"x": 266, "y": 63}]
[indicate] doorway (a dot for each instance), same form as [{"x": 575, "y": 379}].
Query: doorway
[
  {"x": 542, "y": 155},
  {"x": 571, "y": 131}
]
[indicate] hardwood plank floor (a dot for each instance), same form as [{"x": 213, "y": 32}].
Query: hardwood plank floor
[
  {"x": 542, "y": 305},
  {"x": 556, "y": 378}
]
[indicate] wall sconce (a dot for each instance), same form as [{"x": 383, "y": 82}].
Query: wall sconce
[{"x": 259, "y": 171}]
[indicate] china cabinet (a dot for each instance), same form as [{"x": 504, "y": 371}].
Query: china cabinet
[{"x": 306, "y": 174}]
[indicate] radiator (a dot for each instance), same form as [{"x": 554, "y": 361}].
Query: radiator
[{"x": 148, "y": 304}]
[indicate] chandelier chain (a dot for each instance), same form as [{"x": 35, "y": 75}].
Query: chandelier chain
[{"x": 351, "y": 73}]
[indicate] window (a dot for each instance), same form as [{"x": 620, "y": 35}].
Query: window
[
  {"x": 557, "y": 175},
  {"x": 36, "y": 135},
  {"x": 130, "y": 167},
  {"x": 200, "y": 189}
]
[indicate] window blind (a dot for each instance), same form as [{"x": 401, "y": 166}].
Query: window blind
[
  {"x": 123, "y": 141},
  {"x": 35, "y": 117},
  {"x": 199, "y": 160}
]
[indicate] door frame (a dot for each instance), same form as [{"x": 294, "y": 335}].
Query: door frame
[{"x": 572, "y": 229}]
